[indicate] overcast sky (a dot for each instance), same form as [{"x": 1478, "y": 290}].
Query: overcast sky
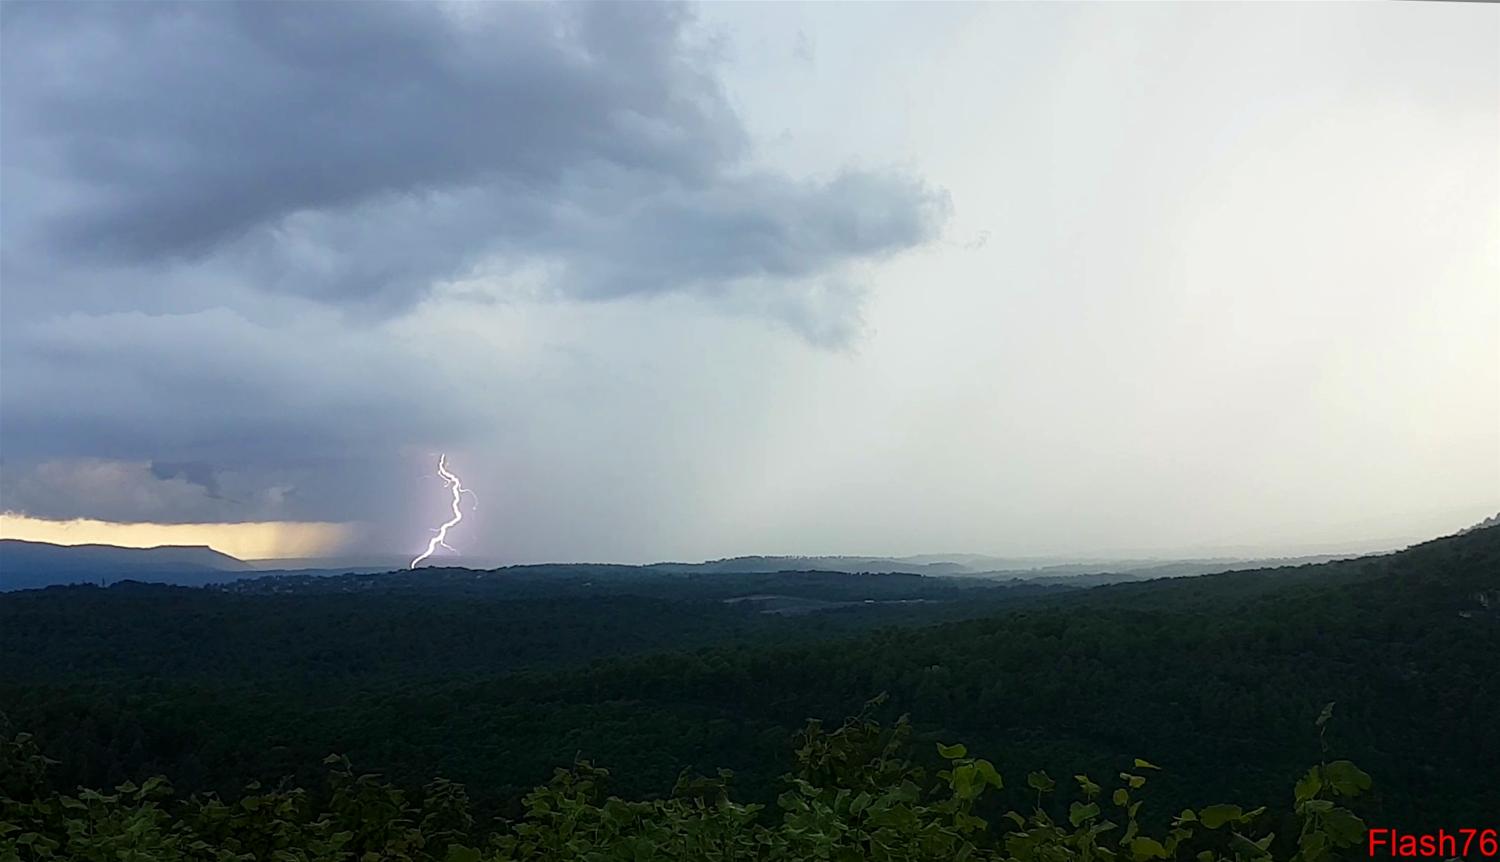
[{"x": 672, "y": 282}]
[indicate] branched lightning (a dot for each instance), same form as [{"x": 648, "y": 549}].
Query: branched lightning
[{"x": 455, "y": 485}]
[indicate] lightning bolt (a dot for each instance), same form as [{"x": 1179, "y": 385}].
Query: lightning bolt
[{"x": 455, "y": 485}]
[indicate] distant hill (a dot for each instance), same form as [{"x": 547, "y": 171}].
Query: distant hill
[
  {"x": 760, "y": 564},
  {"x": 1090, "y": 572},
  {"x": 1491, "y": 521},
  {"x": 366, "y": 563},
  {"x": 29, "y": 565}
]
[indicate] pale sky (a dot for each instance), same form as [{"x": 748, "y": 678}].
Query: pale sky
[{"x": 690, "y": 282}]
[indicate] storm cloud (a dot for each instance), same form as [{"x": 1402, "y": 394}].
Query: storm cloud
[
  {"x": 355, "y": 154},
  {"x": 219, "y": 220},
  {"x": 671, "y": 281}
]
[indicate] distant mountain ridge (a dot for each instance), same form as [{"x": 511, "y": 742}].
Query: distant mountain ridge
[
  {"x": 31, "y": 565},
  {"x": 848, "y": 564},
  {"x": 1001, "y": 568},
  {"x": 1491, "y": 521},
  {"x": 28, "y": 565}
]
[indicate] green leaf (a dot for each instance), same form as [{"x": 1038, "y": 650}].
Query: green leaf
[
  {"x": 1343, "y": 827},
  {"x": 987, "y": 773},
  {"x": 1143, "y": 764},
  {"x": 1215, "y": 816},
  {"x": 155, "y": 784},
  {"x": 1313, "y": 844},
  {"x": 969, "y": 822},
  {"x": 1316, "y": 806},
  {"x": 1040, "y": 781},
  {"x": 1244, "y": 847},
  {"x": 952, "y": 752},
  {"x": 1346, "y": 778},
  {"x": 1121, "y": 796},
  {"x": 962, "y": 782},
  {"x": 1078, "y": 813},
  {"x": 1135, "y": 781},
  {"x": 1147, "y": 848},
  {"x": 1309, "y": 785},
  {"x": 460, "y": 853},
  {"x": 1090, "y": 789}
]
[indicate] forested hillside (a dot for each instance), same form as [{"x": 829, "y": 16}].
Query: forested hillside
[
  {"x": 282, "y": 631},
  {"x": 1217, "y": 679}
]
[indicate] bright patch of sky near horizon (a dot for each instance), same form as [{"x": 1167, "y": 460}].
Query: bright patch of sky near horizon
[
  {"x": 247, "y": 541},
  {"x": 1210, "y": 275}
]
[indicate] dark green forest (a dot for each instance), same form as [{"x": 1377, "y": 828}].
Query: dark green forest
[{"x": 495, "y": 682}]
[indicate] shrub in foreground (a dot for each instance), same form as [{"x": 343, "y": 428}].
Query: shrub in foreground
[{"x": 854, "y": 795}]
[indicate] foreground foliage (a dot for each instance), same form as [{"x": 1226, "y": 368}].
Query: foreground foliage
[{"x": 854, "y": 794}]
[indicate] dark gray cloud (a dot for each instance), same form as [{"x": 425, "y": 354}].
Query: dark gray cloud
[
  {"x": 199, "y": 473},
  {"x": 209, "y": 416},
  {"x": 214, "y": 214},
  {"x": 191, "y": 124},
  {"x": 355, "y": 153},
  {"x": 115, "y": 490}
]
